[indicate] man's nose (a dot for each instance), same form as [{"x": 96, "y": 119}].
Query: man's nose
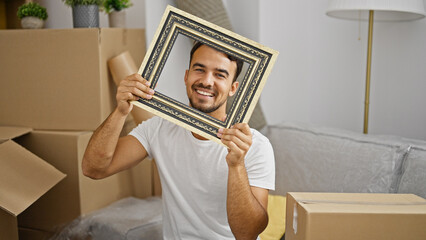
[{"x": 207, "y": 79}]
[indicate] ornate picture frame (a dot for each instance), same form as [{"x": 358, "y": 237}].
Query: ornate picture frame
[{"x": 259, "y": 59}]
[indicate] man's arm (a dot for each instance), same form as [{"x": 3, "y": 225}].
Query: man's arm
[
  {"x": 246, "y": 205},
  {"x": 106, "y": 153}
]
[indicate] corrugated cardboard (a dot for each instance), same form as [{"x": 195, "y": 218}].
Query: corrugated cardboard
[
  {"x": 77, "y": 194},
  {"x": 24, "y": 178},
  {"x": 59, "y": 78},
  {"x": 350, "y": 216}
]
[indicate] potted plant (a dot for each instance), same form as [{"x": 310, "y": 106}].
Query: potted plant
[
  {"x": 116, "y": 13},
  {"x": 32, "y": 15},
  {"x": 85, "y": 13}
]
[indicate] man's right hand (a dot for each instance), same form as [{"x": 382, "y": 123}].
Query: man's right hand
[{"x": 132, "y": 88}]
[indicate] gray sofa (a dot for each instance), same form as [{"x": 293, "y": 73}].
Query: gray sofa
[{"x": 316, "y": 159}]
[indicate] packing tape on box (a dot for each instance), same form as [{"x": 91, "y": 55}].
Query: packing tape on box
[{"x": 295, "y": 219}]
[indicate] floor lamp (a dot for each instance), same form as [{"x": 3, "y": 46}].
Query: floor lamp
[{"x": 375, "y": 10}]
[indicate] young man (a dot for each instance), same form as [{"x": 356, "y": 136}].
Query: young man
[{"x": 209, "y": 191}]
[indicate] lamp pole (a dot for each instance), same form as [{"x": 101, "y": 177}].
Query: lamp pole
[{"x": 367, "y": 80}]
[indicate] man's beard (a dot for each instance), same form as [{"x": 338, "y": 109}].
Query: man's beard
[{"x": 206, "y": 109}]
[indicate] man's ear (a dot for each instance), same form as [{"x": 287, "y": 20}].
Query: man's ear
[
  {"x": 234, "y": 88},
  {"x": 185, "y": 78}
]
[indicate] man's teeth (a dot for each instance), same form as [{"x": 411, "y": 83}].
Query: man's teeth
[{"x": 204, "y": 93}]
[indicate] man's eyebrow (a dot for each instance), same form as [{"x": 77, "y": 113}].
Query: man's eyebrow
[
  {"x": 198, "y": 65},
  {"x": 223, "y": 71}
]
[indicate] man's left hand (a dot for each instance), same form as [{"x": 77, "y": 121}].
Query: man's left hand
[{"x": 238, "y": 139}]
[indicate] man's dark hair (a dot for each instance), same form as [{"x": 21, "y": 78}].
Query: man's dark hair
[{"x": 232, "y": 58}]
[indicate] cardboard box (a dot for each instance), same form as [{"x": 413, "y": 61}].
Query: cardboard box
[
  {"x": 353, "y": 216},
  {"x": 33, "y": 234},
  {"x": 58, "y": 79},
  {"x": 24, "y": 178},
  {"x": 77, "y": 194}
]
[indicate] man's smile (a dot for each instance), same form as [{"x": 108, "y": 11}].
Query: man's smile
[{"x": 204, "y": 93}]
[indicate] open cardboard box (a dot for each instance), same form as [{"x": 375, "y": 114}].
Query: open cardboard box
[
  {"x": 350, "y": 216},
  {"x": 24, "y": 178},
  {"x": 76, "y": 195},
  {"x": 49, "y": 211}
]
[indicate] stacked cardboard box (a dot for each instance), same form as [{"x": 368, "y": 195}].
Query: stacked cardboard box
[
  {"x": 59, "y": 79},
  {"x": 57, "y": 82}
]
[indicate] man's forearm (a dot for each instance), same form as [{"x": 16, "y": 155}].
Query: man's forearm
[
  {"x": 246, "y": 216},
  {"x": 102, "y": 144}
]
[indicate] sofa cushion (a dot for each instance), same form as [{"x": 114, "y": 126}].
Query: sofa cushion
[
  {"x": 413, "y": 179},
  {"x": 314, "y": 159}
]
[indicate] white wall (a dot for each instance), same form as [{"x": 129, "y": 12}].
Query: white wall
[
  {"x": 171, "y": 80},
  {"x": 244, "y": 17},
  {"x": 153, "y": 14},
  {"x": 320, "y": 74}
]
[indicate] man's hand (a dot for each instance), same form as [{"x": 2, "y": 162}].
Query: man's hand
[
  {"x": 132, "y": 88},
  {"x": 106, "y": 154},
  {"x": 238, "y": 139},
  {"x": 245, "y": 205}
]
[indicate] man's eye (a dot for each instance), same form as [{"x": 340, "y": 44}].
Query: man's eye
[
  {"x": 199, "y": 70},
  {"x": 221, "y": 75}
]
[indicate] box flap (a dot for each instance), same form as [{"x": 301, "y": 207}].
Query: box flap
[
  {"x": 7, "y": 133},
  {"x": 24, "y": 177}
]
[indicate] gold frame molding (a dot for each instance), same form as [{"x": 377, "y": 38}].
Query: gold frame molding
[{"x": 260, "y": 60}]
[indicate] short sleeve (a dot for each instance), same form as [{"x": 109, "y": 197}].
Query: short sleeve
[
  {"x": 260, "y": 163},
  {"x": 146, "y": 131}
]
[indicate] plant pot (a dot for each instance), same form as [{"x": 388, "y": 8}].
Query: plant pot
[
  {"x": 85, "y": 16},
  {"x": 117, "y": 19},
  {"x": 32, "y": 23}
]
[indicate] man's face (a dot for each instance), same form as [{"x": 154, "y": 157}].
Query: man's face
[{"x": 209, "y": 81}]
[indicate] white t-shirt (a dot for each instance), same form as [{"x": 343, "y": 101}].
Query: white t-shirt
[{"x": 194, "y": 176}]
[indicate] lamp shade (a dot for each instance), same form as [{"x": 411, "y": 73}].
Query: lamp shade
[{"x": 384, "y": 10}]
